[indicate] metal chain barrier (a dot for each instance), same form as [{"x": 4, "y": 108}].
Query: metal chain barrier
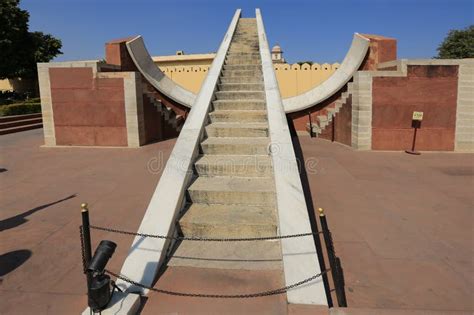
[
  {"x": 219, "y": 296},
  {"x": 184, "y": 238},
  {"x": 81, "y": 233}
]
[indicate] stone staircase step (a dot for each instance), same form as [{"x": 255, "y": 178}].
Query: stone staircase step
[
  {"x": 263, "y": 255},
  {"x": 228, "y": 221},
  {"x": 233, "y": 190},
  {"x": 242, "y": 73},
  {"x": 242, "y": 61},
  {"x": 19, "y": 117},
  {"x": 242, "y": 67},
  {"x": 322, "y": 119},
  {"x": 234, "y": 165},
  {"x": 22, "y": 122},
  {"x": 252, "y": 79},
  {"x": 236, "y": 146},
  {"x": 244, "y": 47},
  {"x": 240, "y": 95},
  {"x": 20, "y": 128},
  {"x": 240, "y": 87},
  {"x": 242, "y": 116},
  {"x": 243, "y": 54},
  {"x": 331, "y": 112},
  {"x": 239, "y": 105},
  {"x": 237, "y": 129}
]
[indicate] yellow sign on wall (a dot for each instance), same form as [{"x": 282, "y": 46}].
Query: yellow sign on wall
[{"x": 417, "y": 116}]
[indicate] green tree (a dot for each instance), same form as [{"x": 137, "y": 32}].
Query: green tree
[
  {"x": 20, "y": 49},
  {"x": 458, "y": 44}
]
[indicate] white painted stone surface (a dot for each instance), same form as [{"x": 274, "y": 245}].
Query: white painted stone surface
[
  {"x": 299, "y": 254},
  {"x": 464, "y": 136},
  {"x": 351, "y": 63},
  {"x": 121, "y": 303},
  {"x": 144, "y": 62}
]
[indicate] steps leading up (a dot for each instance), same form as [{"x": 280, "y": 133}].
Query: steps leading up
[
  {"x": 263, "y": 255},
  {"x": 326, "y": 115},
  {"x": 234, "y": 165},
  {"x": 18, "y": 123},
  {"x": 233, "y": 195},
  {"x": 237, "y": 129},
  {"x": 228, "y": 221},
  {"x": 244, "y": 116},
  {"x": 241, "y": 86},
  {"x": 240, "y": 95},
  {"x": 236, "y": 146},
  {"x": 233, "y": 190},
  {"x": 239, "y": 104}
]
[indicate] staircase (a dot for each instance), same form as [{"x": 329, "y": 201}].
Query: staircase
[
  {"x": 172, "y": 117},
  {"x": 233, "y": 194},
  {"x": 12, "y": 124},
  {"x": 326, "y": 115}
]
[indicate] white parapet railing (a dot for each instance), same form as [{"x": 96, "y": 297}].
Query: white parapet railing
[
  {"x": 300, "y": 260},
  {"x": 146, "y": 255}
]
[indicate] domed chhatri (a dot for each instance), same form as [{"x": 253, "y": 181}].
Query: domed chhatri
[{"x": 277, "y": 54}]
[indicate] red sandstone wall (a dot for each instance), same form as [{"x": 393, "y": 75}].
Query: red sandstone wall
[
  {"x": 87, "y": 111},
  {"x": 343, "y": 123},
  {"x": 430, "y": 89},
  {"x": 381, "y": 49},
  {"x": 116, "y": 53}
]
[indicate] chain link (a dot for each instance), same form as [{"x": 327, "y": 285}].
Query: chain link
[
  {"x": 219, "y": 296},
  {"x": 81, "y": 233},
  {"x": 184, "y": 238}
]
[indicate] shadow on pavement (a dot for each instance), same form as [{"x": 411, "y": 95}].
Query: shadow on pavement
[
  {"x": 12, "y": 260},
  {"x": 19, "y": 219}
]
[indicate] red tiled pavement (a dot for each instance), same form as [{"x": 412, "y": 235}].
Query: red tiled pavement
[
  {"x": 402, "y": 225},
  {"x": 217, "y": 281},
  {"x": 115, "y": 182}
]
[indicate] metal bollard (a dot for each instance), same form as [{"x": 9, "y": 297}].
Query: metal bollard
[
  {"x": 86, "y": 234},
  {"x": 335, "y": 271},
  {"x": 340, "y": 274}
]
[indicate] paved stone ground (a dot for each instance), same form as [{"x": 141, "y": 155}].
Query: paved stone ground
[
  {"x": 41, "y": 192},
  {"x": 402, "y": 225}
]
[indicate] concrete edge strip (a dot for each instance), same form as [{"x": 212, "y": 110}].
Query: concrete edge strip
[
  {"x": 300, "y": 259},
  {"x": 146, "y": 255},
  {"x": 46, "y": 105},
  {"x": 351, "y": 63},
  {"x": 144, "y": 63},
  {"x": 464, "y": 133},
  {"x": 134, "y": 119}
]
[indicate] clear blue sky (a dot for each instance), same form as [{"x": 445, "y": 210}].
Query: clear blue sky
[{"x": 307, "y": 30}]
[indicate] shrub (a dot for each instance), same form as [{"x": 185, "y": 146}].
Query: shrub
[{"x": 20, "y": 109}]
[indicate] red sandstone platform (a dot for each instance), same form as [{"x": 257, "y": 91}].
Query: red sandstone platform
[{"x": 402, "y": 226}]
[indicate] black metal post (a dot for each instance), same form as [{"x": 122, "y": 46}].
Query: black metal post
[
  {"x": 414, "y": 140},
  {"x": 340, "y": 273},
  {"x": 333, "y": 135},
  {"x": 339, "y": 288},
  {"x": 310, "y": 125},
  {"x": 86, "y": 234},
  {"x": 415, "y": 124}
]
